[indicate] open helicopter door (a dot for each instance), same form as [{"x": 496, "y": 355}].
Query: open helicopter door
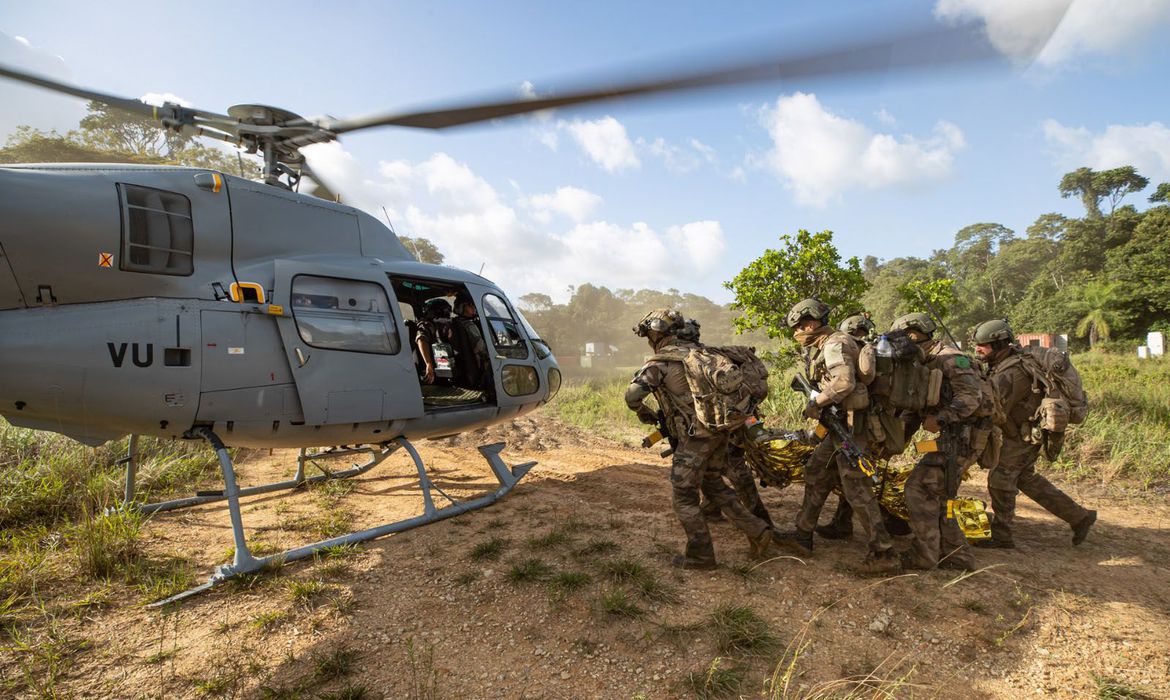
[
  {"x": 514, "y": 356},
  {"x": 348, "y": 349}
]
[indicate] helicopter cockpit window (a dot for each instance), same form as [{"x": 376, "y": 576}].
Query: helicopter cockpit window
[
  {"x": 505, "y": 332},
  {"x": 343, "y": 315},
  {"x": 542, "y": 349},
  {"x": 157, "y": 234}
]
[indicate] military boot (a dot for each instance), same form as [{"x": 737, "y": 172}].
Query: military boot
[
  {"x": 682, "y": 562},
  {"x": 796, "y": 541},
  {"x": 833, "y": 531},
  {"x": 761, "y": 546},
  {"x": 886, "y": 562},
  {"x": 1081, "y": 529}
]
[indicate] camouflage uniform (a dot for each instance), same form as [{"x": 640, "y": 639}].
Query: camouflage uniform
[
  {"x": 744, "y": 482},
  {"x": 935, "y": 535},
  {"x": 1016, "y": 470},
  {"x": 831, "y": 362},
  {"x": 699, "y": 460}
]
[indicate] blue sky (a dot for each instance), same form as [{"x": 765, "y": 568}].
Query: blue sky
[{"x": 678, "y": 193}]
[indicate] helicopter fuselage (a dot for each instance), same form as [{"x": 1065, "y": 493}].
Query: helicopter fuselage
[{"x": 154, "y": 300}]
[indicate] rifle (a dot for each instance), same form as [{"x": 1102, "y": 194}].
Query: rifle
[
  {"x": 937, "y": 317},
  {"x": 662, "y": 433},
  {"x": 834, "y": 421},
  {"x": 951, "y": 442}
]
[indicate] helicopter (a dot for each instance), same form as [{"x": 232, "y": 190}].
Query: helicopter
[{"x": 187, "y": 303}]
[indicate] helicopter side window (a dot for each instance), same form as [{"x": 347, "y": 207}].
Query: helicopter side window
[
  {"x": 157, "y": 233},
  {"x": 341, "y": 314},
  {"x": 505, "y": 333}
]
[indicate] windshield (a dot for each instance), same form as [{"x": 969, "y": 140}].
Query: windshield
[{"x": 542, "y": 348}]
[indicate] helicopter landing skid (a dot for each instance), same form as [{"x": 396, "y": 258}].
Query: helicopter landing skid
[
  {"x": 377, "y": 454},
  {"x": 244, "y": 563}
]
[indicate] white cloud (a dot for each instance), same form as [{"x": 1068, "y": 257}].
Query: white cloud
[
  {"x": 707, "y": 152},
  {"x": 573, "y": 202},
  {"x": 605, "y": 141},
  {"x": 1144, "y": 146},
  {"x": 1019, "y": 29},
  {"x": 885, "y": 117},
  {"x": 158, "y": 98},
  {"x": 819, "y": 155},
  {"x": 36, "y": 107},
  {"x": 521, "y": 247}
]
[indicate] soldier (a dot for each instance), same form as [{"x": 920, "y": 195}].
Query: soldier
[
  {"x": 938, "y": 540},
  {"x": 700, "y": 459},
  {"x": 831, "y": 362},
  {"x": 1016, "y": 470},
  {"x": 841, "y": 526},
  {"x": 738, "y": 472}
]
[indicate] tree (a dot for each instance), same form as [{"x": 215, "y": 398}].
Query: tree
[
  {"x": 934, "y": 296},
  {"x": 1095, "y": 299},
  {"x": 108, "y": 135},
  {"x": 805, "y": 266},
  {"x": 423, "y": 250},
  {"x": 1162, "y": 194},
  {"x": 28, "y": 145},
  {"x": 534, "y": 301},
  {"x": 1093, "y": 186},
  {"x": 1139, "y": 270}
]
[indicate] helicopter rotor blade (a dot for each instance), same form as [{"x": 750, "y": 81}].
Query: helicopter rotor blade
[
  {"x": 123, "y": 103},
  {"x": 950, "y": 46}
]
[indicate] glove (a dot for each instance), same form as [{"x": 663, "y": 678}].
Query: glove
[
  {"x": 812, "y": 410},
  {"x": 931, "y": 424},
  {"x": 646, "y": 415}
]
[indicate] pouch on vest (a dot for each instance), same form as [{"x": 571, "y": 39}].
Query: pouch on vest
[
  {"x": 1053, "y": 414},
  {"x": 989, "y": 458},
  {"x": 444, "y": 360}
]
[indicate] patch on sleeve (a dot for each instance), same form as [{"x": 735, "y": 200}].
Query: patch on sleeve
[
  {"x": 834, "y": 355},
  {"x": 962, "y": 362}
]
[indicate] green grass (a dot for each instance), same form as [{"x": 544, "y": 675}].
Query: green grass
[
  {"x": 305, "y": 592},
  {"x": 335, "y": 663},
  {"x": 624, "y": 570},
  {"x": 596, "y": 547},
  {"x": 597, "y": 406},
  {"x": 529, "y": 571},
  {"x": 720, "y": 679},
  {"x": 739, "y": 630},
  {"x": 489, "y": 550},
  {"x": 1127, "y": 433},
  {"x": 1113, "y": 689},
  {"x": 551, "y": 540},
  {"x": 617, "y": 603},
  {"x": 565, "y": 583}
]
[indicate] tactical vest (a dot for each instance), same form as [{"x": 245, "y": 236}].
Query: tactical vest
[{"x": 726, "y": 382}]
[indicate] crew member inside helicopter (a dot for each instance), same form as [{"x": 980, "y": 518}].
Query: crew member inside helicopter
[{"x": 433, "y": 338}]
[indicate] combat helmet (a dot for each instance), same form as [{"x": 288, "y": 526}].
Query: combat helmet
[
  {"x": 991, "y": 331},
  {"x": 916, "y": 321},
  {"x": 808, "y": 308},
  {"x": 855, "y": 323},
  {"x": 666, "y": 321},
  {"x": 437, "y": 308},
  {"x": 690, "y": 331}
]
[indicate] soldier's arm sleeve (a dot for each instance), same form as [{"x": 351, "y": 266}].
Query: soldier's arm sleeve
[
  {"x": 1012, "y": 387},
  {"x": 644, "y": 383},
  {"x": 841, "y": 363},
  {"x": 965, "y": 392}
]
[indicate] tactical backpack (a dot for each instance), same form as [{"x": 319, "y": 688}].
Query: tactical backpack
[
  {"x": 726, "y": 382},
  {"x": 895, "y": 370},
  {"x": 1054, "y": 376}
]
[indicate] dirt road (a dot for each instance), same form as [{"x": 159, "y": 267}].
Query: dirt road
[{"x": 579, "y": 600}]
